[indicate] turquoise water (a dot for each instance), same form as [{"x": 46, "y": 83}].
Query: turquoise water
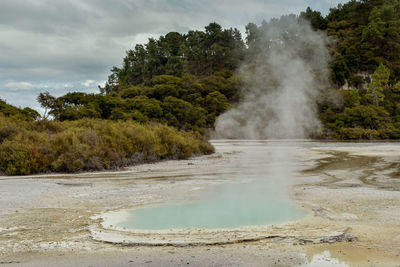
[
  {"x": 255, "y": 195},
  {"x": 216, "y": 213}
]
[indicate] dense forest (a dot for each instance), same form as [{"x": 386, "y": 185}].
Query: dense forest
[{"x": 185, "y": 80}]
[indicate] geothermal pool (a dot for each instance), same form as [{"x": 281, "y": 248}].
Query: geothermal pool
[
  {"x": 254, "y": 192},
  {"x": 255, "y": 189},
  {"x": 220, "y": 212}
]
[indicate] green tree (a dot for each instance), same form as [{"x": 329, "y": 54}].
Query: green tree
[
  {"x": 317, "y": 21},
  {"x": 381, "y": 37},
  {"x": 47, "y": 102},
  {"x": 216, "y": 103},
  {"x": 379, "y": 83}
]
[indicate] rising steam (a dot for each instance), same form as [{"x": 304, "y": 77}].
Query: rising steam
[{"x": 285, "y": 71}]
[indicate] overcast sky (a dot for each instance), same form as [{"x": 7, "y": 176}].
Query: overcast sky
[{"x": 70, "y": 45}]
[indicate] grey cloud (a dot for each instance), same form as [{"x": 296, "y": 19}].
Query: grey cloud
[{"x": 47, "y": 42}]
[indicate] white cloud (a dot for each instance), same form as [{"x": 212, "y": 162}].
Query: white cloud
[
  {"x": 88, "y": 83},
  {"x": 19, "y": 85},
  {"x": 102, "y": 83}
]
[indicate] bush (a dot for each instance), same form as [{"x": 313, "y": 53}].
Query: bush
[{"x": 90, "y": 144}]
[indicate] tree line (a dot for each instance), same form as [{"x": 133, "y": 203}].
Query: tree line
[
  {"x": 187, "y": 79},
  {"x": 187, "y": 103}
]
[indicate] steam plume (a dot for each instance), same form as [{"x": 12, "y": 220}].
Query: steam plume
[{"x": 287, "y": 67}]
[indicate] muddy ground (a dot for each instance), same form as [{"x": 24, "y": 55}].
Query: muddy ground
[{"x": 351, "y": 193}]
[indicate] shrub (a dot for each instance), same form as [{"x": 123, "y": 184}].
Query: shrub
[{"x": 90, "y": 144}]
